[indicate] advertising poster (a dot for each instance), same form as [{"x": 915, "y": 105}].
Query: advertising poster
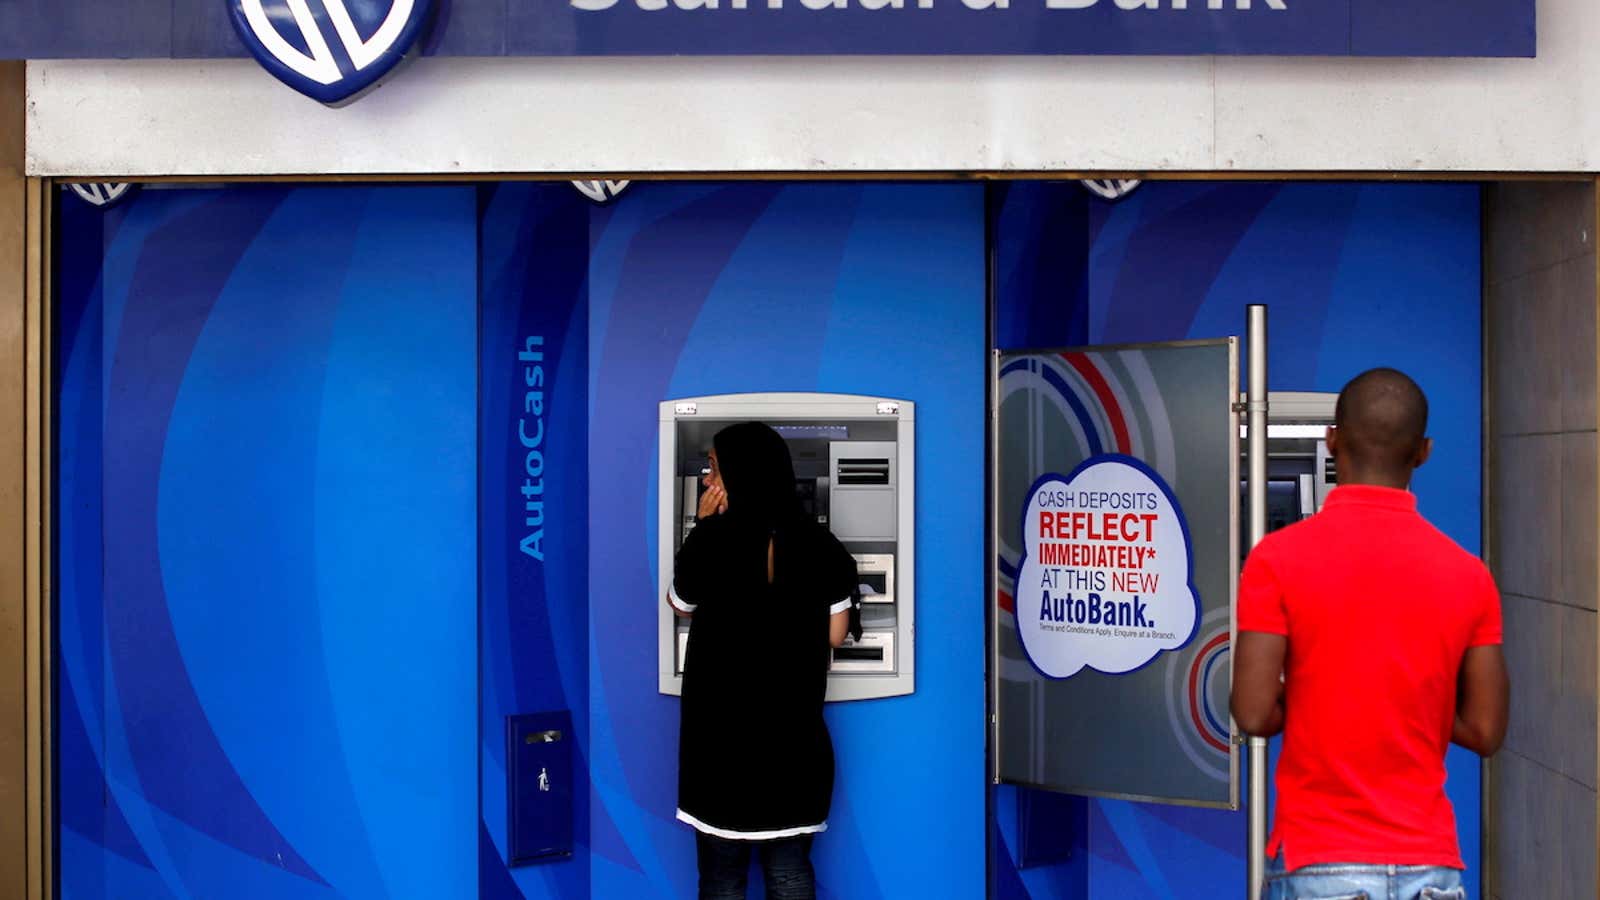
[{"x": 1117, "y": 491}]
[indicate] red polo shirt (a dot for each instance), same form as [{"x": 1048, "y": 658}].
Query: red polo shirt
[{"x": 1379, "y": 607}]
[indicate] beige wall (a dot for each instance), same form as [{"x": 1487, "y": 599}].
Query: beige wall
[
  {"x": 13, "y": 770},
  {"x": 1544, "y": 505},
  {"x": 25, "y": 841}
]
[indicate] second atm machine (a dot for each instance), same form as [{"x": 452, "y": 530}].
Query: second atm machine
[
  {"x": 1300, "y": 473},
  {"x": 854, "y": 468}
]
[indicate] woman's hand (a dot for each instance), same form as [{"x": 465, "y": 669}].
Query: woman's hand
[{"x": 713, "y": 501}]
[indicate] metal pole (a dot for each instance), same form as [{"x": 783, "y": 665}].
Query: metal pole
[
  {"x": 1256, "y": 408},
  {"x": 992, "y": 584}
]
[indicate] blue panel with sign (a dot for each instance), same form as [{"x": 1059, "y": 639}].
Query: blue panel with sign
[
  {"x": 888, "y": 27},
  {"x": 1425, "y": 28},
  {"x": 361, "y": 37},
  {"x": 85, "y": 29}
]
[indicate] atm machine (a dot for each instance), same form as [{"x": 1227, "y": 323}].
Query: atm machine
[
  {"x": 1300, "y": 472},
  {"x": 854, "y": 460}
]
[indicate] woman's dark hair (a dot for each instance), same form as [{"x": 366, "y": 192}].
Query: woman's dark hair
[{"x": 758, "y": 474}]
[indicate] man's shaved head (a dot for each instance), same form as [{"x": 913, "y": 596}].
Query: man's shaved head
[{"x": 1382, "y": 421}]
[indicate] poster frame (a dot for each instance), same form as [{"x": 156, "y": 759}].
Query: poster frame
[{"x": 1234, "y": 410}]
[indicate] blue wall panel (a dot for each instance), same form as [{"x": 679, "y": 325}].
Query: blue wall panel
[
  {"x": 269, "y": 689},
  {"x": 879, "y": 290},
  {"x": 1040, "y": 243},
  {"x": 534, "y": 603},
  {"x": 286, "y": 627},
  {"x": 1355, "y": 276},
  {"x": 83, "y": 816}
]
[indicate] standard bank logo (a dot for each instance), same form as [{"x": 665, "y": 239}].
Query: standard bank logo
[
  {"x": 330, "y": 50},
  {"x": 100, "y": 193}
]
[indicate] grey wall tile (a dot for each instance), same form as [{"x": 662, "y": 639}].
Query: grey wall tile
[
  {"x": 1574, "y": 281},
  {"x": 1574, "y": 726},
  {"x": 1511, "y": 805},
  {"x": 1580, "y": 520},
  {"x": 1525, "y": 335},
  {"x": 1578, "y": 845},
  {"x": 1547, "y": 794},
  {"x": 1534, "y": 224},
  {"x": 1541, "y": 316},
  {"x": 1528, "y": 828},
  {"x": 1527, "y": 515},
  {"x": 1533, "y": 658}
]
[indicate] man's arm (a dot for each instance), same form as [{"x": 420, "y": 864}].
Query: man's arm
[
  {"x": 1483, "y": 699},
  {"x": 1257, "y": 700}
]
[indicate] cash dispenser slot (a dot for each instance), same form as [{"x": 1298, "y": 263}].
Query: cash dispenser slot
[
  {"x": 864, "y": 654},
  {"x": 873, "y": 654}
]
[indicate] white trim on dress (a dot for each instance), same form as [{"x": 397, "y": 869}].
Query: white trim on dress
[
  {"x": 750, "y": 835},
  {"x": 677, "y": 602},
  {"x": 839, "y": 607}
]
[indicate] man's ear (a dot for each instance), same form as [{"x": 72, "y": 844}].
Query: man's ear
[
  {"x": 1424, "y": 450},
  {"x": 1331, "y": 438}
]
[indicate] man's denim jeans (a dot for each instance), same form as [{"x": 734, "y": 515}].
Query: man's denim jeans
[{"x": 1342, "y": 881}]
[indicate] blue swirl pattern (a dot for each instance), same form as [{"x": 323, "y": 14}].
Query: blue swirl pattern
[{"x": 268, "y": 478}]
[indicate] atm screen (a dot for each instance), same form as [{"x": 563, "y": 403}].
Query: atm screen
[
  {"x": 1283, "y": 502},
  {"x": 1283, "y": 507}
]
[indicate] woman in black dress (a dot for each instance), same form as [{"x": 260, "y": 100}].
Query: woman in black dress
[{"x": 769, "y": 591}]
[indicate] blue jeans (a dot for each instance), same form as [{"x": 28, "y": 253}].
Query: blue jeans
[
  {"x": 725, "y": 867},
  {"x": 1348, "y": 881}
]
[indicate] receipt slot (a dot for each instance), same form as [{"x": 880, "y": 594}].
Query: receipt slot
[{"x": 854, "y": 460}]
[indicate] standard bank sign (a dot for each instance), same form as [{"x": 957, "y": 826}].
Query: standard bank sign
[
  {"x": 330, "y": 50},
  {"x": 333, "y": 50}
]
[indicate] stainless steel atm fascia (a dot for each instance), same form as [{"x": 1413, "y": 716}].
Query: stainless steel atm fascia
[
  {"x": 798, "y": 407},
  {"x": 1296, "y": 408},
  {"x": 1299, "y": 406},
  {"x": 1305, "y": 409}
]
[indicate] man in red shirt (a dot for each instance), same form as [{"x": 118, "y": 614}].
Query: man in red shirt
[{"x": 1370, "y": 641}]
